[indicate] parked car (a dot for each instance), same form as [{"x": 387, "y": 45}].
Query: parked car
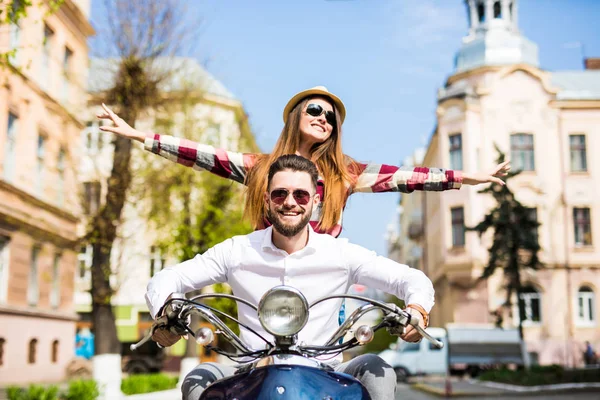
[{"x": 467, "y": 349}]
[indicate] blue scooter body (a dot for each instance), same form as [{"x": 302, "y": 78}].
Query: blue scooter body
[{"x": 287, "y": 382}]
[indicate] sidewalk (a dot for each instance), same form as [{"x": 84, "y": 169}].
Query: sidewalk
[
  {"x": 475, "y": 388},
  {"x": 173, "y": 394}
]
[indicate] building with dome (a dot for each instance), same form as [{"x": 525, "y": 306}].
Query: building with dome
[{"x": 548, "y": 124}]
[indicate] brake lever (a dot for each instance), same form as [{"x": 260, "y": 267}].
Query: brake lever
[
  {"x": 160, "y": 322},
  {"x": 414, "y": 320}
]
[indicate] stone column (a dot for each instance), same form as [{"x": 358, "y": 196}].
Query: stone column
[{"x": 473, "y": 15}]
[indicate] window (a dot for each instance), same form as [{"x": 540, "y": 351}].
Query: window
[
  {"x": 55, "y": 293},
  {"x": 411, "y": 347},
  {"x": 40, "y": 165},
  {"x": 4, "y": 257},
  {"x": 531, "y": 300},
  {"x": 456, "y": 152},
  {"x": 60, "y": 168},
  {"x": 583, "y": 226},
  {"x": 497, "y": 10},
  {"x": 586, "y": 312},
  {"x": 2, "y": 344},
  {"x": 480, "y": 12},
  {"x": 32, "y": 354},
  {"x": 533, "y": 217},
  {"x": 458, "y": 226},
  {"x": 15, "y": 31},
  {"x": 521, "y": 148},
  {"x": 84, "y": 259},
  {"x": 10, "y": 151},
  {"x": 578, "y": 153},
  {"x": 46, "y": 56},
  {"x": 156, "y": 261},
  {"x": 66, "y": 70},
  {"x": 33, "y": 293},
  {"x": 91, "y": 199},
  {"x": 54, "y": 352}
]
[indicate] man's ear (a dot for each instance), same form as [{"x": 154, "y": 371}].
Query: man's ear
[{"x": 316, "y": 199}]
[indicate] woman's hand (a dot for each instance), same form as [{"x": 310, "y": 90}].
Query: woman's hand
[
  {"x": 492, "y": 177},
  {"x": 120, "y": 127}
]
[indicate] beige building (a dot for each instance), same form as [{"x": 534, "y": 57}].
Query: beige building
[
  {"x": 41, "y": 94},
  {"x": 548, "y": 123}
]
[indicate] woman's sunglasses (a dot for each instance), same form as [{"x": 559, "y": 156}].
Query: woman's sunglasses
[
  {"x": 302, "y": 197},
  {"x": 315, "y": 110}
]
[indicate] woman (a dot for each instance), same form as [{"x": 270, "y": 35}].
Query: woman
[{"x": 313, "y": 119}]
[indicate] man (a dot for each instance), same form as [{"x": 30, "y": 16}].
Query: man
[{"x": 291, "y": 253}]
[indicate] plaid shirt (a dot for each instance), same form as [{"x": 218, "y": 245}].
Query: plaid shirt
[{"x": 372, "y": 178}]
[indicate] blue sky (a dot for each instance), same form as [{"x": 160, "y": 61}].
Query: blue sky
[{"x": 384, "y": 58}]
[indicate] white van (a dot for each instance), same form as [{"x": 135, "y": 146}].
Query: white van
[{"x": 466, "y": 349}]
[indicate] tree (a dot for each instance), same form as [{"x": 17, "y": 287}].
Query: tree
[
  {"x": 190, "y": 210},
  {"x": 515, "y": 244},
  {"x": 141, "y": 34}
]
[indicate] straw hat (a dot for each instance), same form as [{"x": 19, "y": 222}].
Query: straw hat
[{"x": 316, "y": 91}]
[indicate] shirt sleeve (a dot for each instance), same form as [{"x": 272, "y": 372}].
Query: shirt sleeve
[
  {"x": 371, "y": 270},
  {"x": 375, "y": 178},
  {"x": 226, "y": 164},
  {"x": 202, "y": 270}
]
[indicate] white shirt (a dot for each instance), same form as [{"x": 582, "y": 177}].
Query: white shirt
[{"x": 252, "y": 265}]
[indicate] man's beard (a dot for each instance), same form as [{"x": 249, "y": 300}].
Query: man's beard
[{"x": 284, "y": 229}]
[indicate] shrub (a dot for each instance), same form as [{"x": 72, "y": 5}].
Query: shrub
[
  {"x": 82, "y": 390},
  {"x": 146, "y": 383},
  {"x": 78, "y": 390},
  {"x": 33, "y": 392}
]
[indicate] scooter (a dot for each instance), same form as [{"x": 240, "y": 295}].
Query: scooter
[{"x": 284, "y": 369}]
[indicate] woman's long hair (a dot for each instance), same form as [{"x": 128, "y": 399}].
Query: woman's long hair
[{"x": 337, "y": 170}]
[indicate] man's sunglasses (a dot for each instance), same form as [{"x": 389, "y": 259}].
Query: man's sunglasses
[
  {"x": 315, "y": 110},
  {"x": 302, "y": 197}
]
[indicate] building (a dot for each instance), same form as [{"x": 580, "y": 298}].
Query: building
[
  {"x": 41, "y": 95},
  {"x": 405, "y": 246},
  {"x": 220, "y": 120},
  {"x": 548, "y": 123}
]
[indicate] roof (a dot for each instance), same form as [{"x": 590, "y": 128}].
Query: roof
[
  {"x": 186, "y": 71},
  {"x": 577, "y": 85}
]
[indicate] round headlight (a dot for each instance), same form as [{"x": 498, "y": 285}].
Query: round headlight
[{"x": 283, "y": 311}]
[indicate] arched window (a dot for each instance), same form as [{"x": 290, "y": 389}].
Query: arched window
[
  {"x": 497, "y": 10},
  {"x": 481, "y": 12},
  {"x": 54, "y": 352},
  {"x": 586, "y": 312},
  {"x": 532, "y": 302},
  {"x": 32, "y": 351},
  {"x": 2, "y": 344}
]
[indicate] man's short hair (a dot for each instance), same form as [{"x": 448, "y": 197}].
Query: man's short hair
[{"x": 294, "y": 163}]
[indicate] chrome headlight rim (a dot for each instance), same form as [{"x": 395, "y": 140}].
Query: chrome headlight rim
[{"x": 273, "y": 291}]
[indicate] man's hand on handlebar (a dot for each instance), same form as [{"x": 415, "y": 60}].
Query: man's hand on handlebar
[
  {"x": 409, "y": 333},
  {"x": 165, "y": 337}
]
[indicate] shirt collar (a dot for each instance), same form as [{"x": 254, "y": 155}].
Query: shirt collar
[{"x": 311, "y": 245}]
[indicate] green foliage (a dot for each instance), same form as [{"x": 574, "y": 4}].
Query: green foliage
[
  {"x": 33, "y": 392},
  {"x": 541, "y": 375},
  {"x": 147, "y": 383},
  {"x": 515, "y": 244},
  {"x": 82, "y": 390},
  {"x": 78, "y": 390}
]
